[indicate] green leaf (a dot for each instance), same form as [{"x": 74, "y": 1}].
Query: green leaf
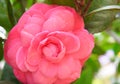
[
  {"x": 8, "y": 75},
  {"x": 10, "y": 13},
  {"x": 116, "y": 26},
  {"x": 6, "y": 82},
  {"x": 101, "y": 14},
  {"x": 98, "y": 50},
  {"x": 1, "y": 51},
  {"x": 18, "y": 7},
  {"x": 118, "y": 67},
  {"x": 61, "y": 2},
  {"x": 116, "y": 48},
  {"x": 4, "y": 21},
  {"x": 89, "y": 69},
  {"x": 105, "y": 8},
  {"x": 86, "y": 77}
]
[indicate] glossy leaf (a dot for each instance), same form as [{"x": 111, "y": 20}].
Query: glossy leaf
[
  {"x": 100, "y": 15},
  {"x": 105, "y": 8}
]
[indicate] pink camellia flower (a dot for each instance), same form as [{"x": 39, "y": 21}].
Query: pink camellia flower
[{"x": 48, "y": 45}]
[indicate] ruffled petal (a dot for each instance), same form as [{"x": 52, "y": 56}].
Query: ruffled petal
[
  {"x": 26, "y": 38},
  {"x": 87, "y": 44},
  {"x": 32, "y": 28},
  {"x": 59, "y": 19},
  {"x": 70, "y": 41},
  {"x": 39, "y": 78},
  {"x": 22, "y": 21},
  {"x": 39, "y": 9},
  {"x": 20, "y": 59},
  {"x": 52, "y": 49},
  {"x": 48, "y": 69},
  {"x": 33, "y": 56},
  {"x": 10, "y": 49},
  {"x": 69, "y": 68},
  {"x": 20, "y": 75}
]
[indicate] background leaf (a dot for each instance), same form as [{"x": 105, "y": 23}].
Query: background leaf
[
  {"x": 61, "y": 2},
  {"x": 10, "y": 13},
  {"x": 1, "y": 51},
  {"x": 4, "y": 21},
  {"x": 8, "y": 74},
  {"x": 6, "y": 82},
  {"x": 89, "y": 69}
]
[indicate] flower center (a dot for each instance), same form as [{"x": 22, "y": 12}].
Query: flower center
[{"x": 50, "y": 50}]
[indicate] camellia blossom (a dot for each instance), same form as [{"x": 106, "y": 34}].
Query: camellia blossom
[{"x": 48, "y": 45}]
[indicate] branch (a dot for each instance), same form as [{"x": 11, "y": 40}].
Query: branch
[
  {"x": 114, "y": 35},
  {"x": 87, "y": 7},
  {"x": 79, "y": 4}
]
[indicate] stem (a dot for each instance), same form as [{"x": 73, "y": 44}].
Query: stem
[
  {"x": 87, "y": 7},
  {"x": 79, "y": 5}
]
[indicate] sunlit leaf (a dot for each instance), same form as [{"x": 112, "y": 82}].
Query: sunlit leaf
[
  {"x": 98, "y": 50},
  {"x": 116, "y": 48},
  {"x": 86, "y": 77},
  {"x": 89, "y": 70}
]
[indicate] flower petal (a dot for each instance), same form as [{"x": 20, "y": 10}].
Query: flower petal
[
  {"x": 48, "y": 69},
  {"x": 69, "y": 66},
  {"x": 59, "y": 19},
  {"x": 70, "y": 41},
  {"x": 33, "y": 56},
  {"x": 22, "y": 21},
  {"x": 10, "y": 51},
  {"x": 39, "y": 9},
  {"x": 20, "y": 59},
  {"x": 87, "y": 44},
  {"x": 20, "y": 75},
  {"x": 26, "y": 38},
  {"x": 32, "y": 28},
  {"x": 39, "y": 78},
  {"x": 52, "y": 49}
]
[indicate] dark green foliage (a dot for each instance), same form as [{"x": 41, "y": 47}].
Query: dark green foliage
[{"x": 8, "y": 75}]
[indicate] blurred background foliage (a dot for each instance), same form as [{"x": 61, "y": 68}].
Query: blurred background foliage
[{"x": 102, "y": 18}]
